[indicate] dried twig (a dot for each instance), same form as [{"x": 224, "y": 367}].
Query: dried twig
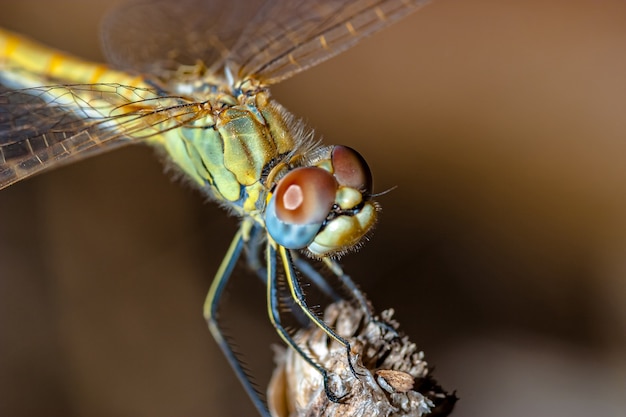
[{"x": 392, "y": 378}]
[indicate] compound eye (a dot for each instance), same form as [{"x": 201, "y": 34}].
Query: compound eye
[
  {"x": 305, "y": 196},
  {"x": 351, "y": 170},
  {"x": 299, "y": 206}
]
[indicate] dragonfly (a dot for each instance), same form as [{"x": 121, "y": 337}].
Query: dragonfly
[{"x": 191, "y": 78}]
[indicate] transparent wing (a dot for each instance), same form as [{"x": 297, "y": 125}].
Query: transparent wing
[
  {"x": 291, "y": 36},
  {"x": 269, "y": 40},
  {"x": 45, "y": 127},
  {"x": 157, "y": 36}
]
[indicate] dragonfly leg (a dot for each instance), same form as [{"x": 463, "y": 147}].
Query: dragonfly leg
[
  {"x": 273, "y": 304},
  {"x": 211, "y": 306},
  {"x": 254, "y": 262},
  {"x": 316, "y": 278},
  {"x": 298, "y": 296},
  {"x": 322, "y": 283},
  {"x": 253, "y": 253},
  {"x": 359, "y": 296}
]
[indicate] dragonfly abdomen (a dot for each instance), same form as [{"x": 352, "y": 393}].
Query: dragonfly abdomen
[{"x": 37, "y": 65}]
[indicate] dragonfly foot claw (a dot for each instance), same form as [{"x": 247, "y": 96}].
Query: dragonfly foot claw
[{"x": 329, "y": 392}]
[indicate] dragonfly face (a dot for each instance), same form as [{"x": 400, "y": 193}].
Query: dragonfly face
[
  {"x": 325, "y": 207},
  {"x": 192, "y": 79}
]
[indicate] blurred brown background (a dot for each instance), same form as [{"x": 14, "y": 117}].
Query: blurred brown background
[{"x": 503, "y": 249}]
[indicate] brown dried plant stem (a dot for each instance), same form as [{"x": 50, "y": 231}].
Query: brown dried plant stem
[{"x": 393, "y": 378}]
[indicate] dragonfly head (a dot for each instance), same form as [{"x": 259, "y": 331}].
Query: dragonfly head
[{"x": 325, "y": 207}]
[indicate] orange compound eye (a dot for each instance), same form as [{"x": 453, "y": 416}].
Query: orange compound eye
[
  {"x": 305, "y": 195},
  {"x": 351, "y": 170},
  {"x": 299, "y": 206}
]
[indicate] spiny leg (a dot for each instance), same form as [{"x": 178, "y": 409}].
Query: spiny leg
[
  {"x": 359, "y": 296},
  {"x": 211, "y": 305},
  {"x": 347, "y": 282},
  {"x": 316, "y": 278},
  {"x": 273, "y": 306},
  {"x": 298, "y": 296},
  {"x": 253, "y": 258},
  {"x": 252, "y": 251}
]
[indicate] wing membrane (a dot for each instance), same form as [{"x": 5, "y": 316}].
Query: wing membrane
[
  {"x": 44, "y": 127},
  {"x": 157, "y": 36},
  {"x": 289, "y": 37},
  {"x": 269, "y": 40}
]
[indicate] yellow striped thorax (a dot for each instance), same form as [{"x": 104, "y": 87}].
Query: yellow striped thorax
[{"x": 232, "y": 146}]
